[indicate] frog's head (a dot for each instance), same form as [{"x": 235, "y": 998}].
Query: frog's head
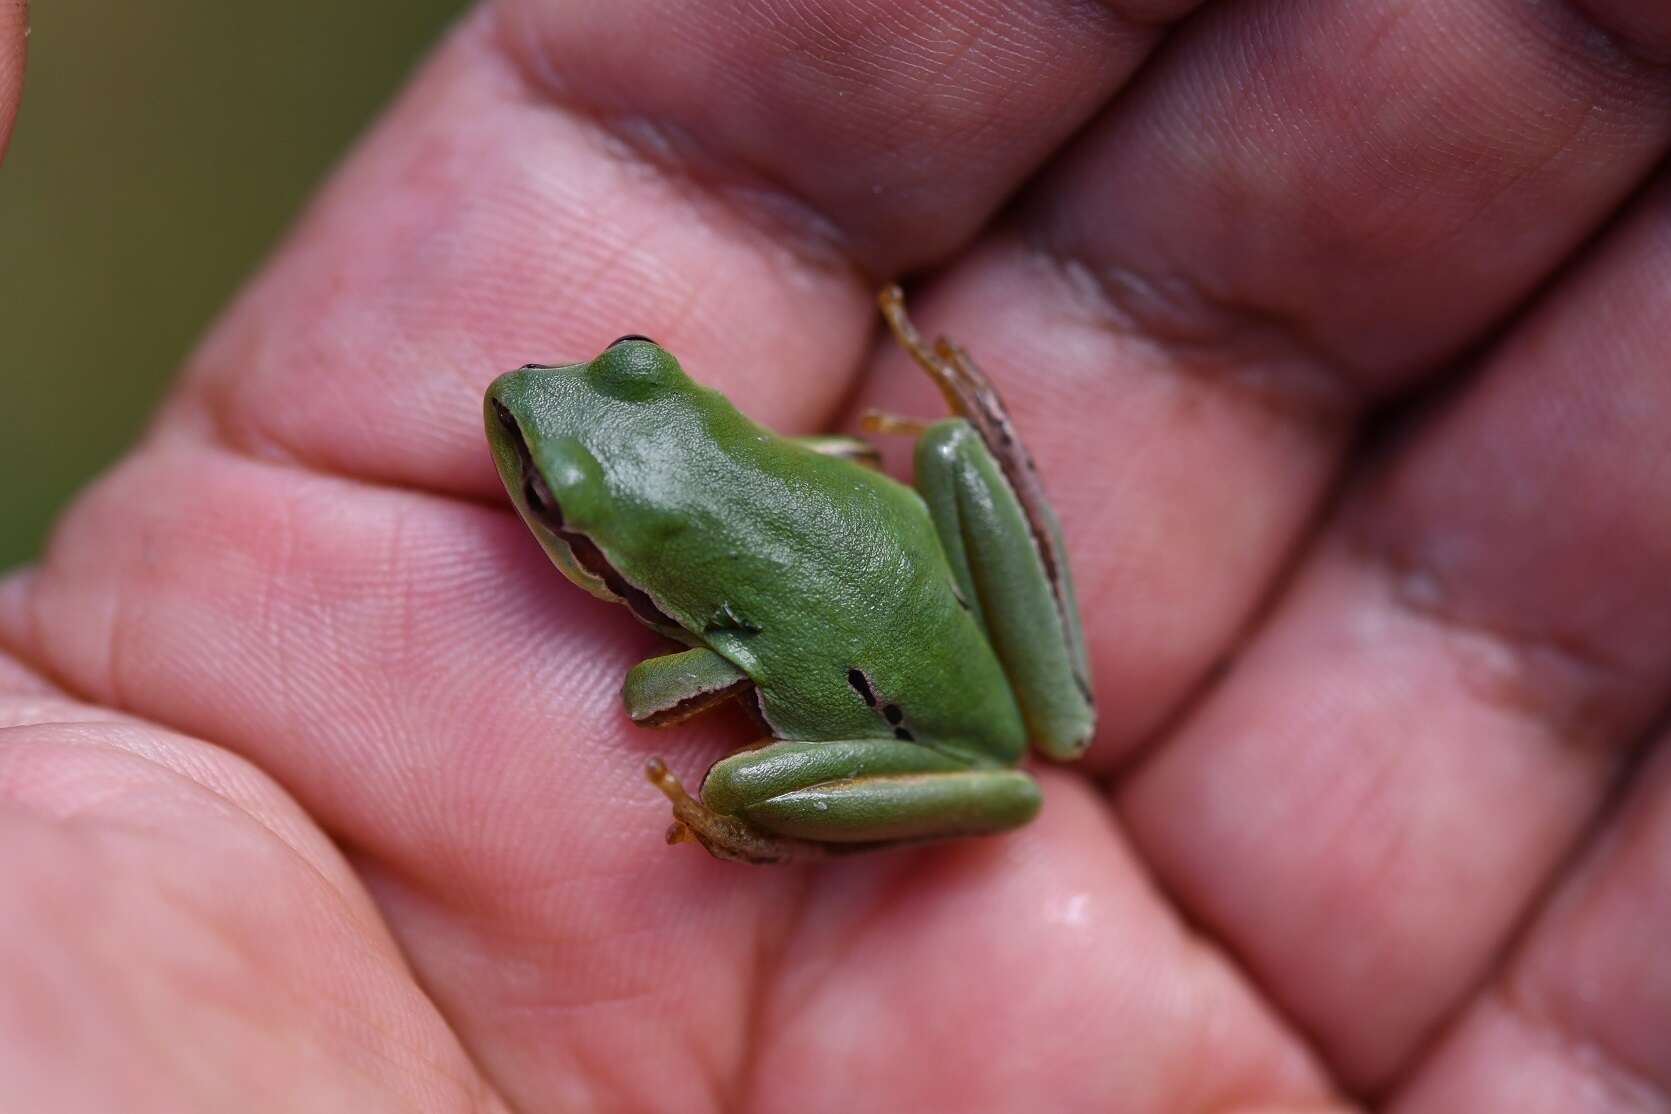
[
  {"x": 548, "y": 425},
  {"x": 551, "y": 400}
]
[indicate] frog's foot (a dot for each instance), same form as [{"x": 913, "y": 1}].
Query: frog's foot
[
  {"x": 880, "y": 421},
  {"x": 971, "y": 396},
  {"x": 967, "y": 390},
  {"x": 725, "y": 837},
  {"x": 855, "y": 449}
]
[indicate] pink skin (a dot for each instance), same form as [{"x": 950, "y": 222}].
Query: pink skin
[
  {"x": 14, "y": 19},
  {"x": 315, "y": 790}
]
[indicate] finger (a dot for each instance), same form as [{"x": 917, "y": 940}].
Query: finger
[
  {"x": 16, "y": 595},
  {"x": 14, "y": 29},
  {"x": 1056, "y": 1019},
  {"x": 1299, "y": 210},
  {"x": 177, "y": 936},
  {"x": 1577, "y": 1022},
  {"x": 561, "y": 175},
  {"x": 490, "y": 786},
  {"x": 933, "y": 111},
  {"x": 1390, "y": 775}
]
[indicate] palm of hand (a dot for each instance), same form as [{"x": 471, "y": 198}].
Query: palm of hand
[{"x": 1358, "y": 863}]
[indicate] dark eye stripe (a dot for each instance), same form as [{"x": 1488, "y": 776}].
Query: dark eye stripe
[{"x": 630, "y": 336}]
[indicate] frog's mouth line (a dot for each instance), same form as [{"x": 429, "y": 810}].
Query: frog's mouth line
[
  {"x": 544, "y": 508},
  {"x": 535, "y": 494}
]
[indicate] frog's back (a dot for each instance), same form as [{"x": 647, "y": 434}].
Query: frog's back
[{"x": 823, "y": 580}]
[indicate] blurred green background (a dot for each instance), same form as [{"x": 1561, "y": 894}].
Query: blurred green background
[{"x": 161, "y": 149}]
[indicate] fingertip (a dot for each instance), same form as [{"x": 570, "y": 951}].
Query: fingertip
[
  {"x": 14, "y": 33},
  {"x": 17, "y": 588}
]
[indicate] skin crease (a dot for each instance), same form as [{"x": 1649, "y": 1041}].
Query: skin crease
[{"x": 315, "y": 790}]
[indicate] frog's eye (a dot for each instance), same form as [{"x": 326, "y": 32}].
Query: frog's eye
[
  {"x": 631, "y": 336},
  {"x": 634, "y": 371},
  {"x": 536, "y": 367}
]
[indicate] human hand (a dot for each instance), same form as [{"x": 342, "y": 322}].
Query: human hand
[{"x": 317, "y": 793}]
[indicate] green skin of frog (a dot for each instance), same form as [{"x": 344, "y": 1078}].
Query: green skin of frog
[{"x": 901, "y": 645}]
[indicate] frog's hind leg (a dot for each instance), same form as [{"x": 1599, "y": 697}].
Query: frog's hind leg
[
  {"x": 1003, "y": 541},
  {"x": 971, "y": 395},
  {"x": 1030, "y": 618},
  {"x": 793, "y": 800},
  {"x": 725, "y": 837}
]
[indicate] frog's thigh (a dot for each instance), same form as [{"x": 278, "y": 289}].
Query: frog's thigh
[
  {"x": 865, "y": 791},
  {"x": 669, "y": 689},
  {"x": 999, "y": 570},
  {"x": 856, "y": 449}
]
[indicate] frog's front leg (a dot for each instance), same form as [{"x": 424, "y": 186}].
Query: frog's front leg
[
  {"x": 797, "y": 800},
  {"x": 855, "y": 449},
  {"x": 659, "y": 692}
]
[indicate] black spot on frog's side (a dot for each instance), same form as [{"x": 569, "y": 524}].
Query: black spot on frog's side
[
  {"x": 896, "y": 716},
  {"x": 861, "y": 685},
  {"x": 893, "y": 713}
]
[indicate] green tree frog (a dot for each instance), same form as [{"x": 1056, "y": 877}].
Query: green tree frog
[{"x": 900, "y": 645}]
